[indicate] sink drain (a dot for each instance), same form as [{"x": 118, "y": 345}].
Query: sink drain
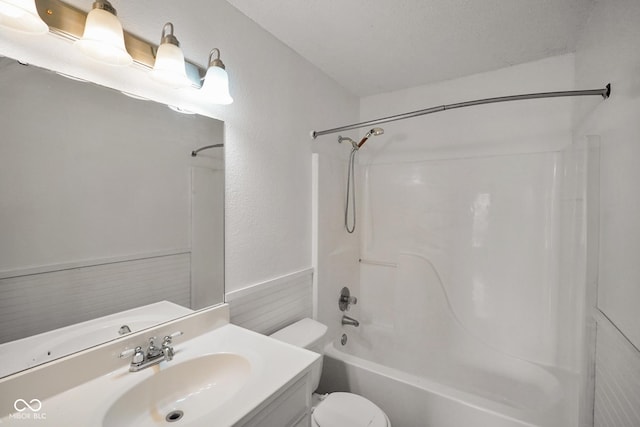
[{"x": 174, "y": 416}]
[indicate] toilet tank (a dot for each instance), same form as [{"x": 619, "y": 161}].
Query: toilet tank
[{"x": 308, "y": 334}]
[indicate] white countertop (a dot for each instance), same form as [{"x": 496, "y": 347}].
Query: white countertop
[{"x": 273, "y": 365}]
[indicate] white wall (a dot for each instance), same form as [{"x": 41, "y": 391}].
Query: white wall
[
  {"x": 608, "y": 51},
  {"x": 521, "y": 126},
  {"x": 279, "y": 98}
]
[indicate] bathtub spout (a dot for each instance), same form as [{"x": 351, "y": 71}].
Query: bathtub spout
[{"x": 346, "y": 320}]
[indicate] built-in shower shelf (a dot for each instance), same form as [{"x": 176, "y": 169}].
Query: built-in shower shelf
[{"x": 378, "y": 262}]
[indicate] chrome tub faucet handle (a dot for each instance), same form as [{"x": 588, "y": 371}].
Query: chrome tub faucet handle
[{"x": 345, "y": 300}]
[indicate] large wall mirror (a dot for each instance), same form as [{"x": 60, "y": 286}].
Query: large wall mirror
[{"x": 104, "y": 214}]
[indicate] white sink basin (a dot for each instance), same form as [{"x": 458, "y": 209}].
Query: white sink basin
[{"x": 180, "y": 393}]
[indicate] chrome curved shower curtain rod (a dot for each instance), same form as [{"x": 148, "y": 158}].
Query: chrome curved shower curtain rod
[
  {"x": 605, "y": 93},
  {"x": 206, "y": 147}
]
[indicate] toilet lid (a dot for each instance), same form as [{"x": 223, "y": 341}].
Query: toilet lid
[{"x": 348, "y": 410}]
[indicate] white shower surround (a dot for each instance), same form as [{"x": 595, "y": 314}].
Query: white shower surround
[
  {"x": 470, "y": 229},
  {"x": 485, "y": 234},
  {"x": 462, "y": 301}
]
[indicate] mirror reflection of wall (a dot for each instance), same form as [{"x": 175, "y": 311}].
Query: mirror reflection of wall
[{"x": 102, "y": 206}]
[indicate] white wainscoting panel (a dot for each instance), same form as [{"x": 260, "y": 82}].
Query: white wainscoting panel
[
  {"x": 617, "y": 396},
  {"x": 268, "y": 306},
  {"x": 36, "y": 303}
]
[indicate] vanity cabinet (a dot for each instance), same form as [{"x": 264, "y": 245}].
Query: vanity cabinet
[{"x": 289, "y": 407}]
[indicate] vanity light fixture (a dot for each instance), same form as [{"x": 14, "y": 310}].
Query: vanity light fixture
[
  {"x": 21, "y": 15},
  {"x": 216, "y": 80},
  {"x": 169, "y": 67},
  {"x": 103, "y": 38},
  {"x": 100, "y": 35}
]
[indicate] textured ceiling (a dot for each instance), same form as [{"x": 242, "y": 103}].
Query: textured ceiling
[{"x": 376, "y": 46}]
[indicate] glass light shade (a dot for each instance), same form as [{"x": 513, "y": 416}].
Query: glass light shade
[
  {"x": 21, "y": 15},
  {"x": 216, "y": 86},
  {"x": 103, "y": 39},
  {"x": 169, "y": 67}
]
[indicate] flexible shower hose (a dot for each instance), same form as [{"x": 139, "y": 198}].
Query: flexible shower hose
[{"x": 351, "y": 193}]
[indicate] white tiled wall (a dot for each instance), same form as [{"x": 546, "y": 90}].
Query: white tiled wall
[
  {"x": 273, "y": 304},
  {"x": 617, "y": 398},
  {"x": 35, "y": 303}
]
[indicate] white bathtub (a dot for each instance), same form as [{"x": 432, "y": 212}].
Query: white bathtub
[
  {"x": 425, "y": 366},
  {"x": 438, "y": 389}
]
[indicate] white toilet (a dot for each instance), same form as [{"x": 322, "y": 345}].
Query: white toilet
[{"x": 335, "y": 409}]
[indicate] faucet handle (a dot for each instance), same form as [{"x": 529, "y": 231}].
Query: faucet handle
[
  {"x": 345, "y": 300},
  {"x": 168, "y": 352},
  {"x": 126, "y": 353},
  {"x": 168, "y": 338},
  {"x": 138, "y": 355},
  {"x": 152, "y": 349},
  {"x": 124, "y": 329}
]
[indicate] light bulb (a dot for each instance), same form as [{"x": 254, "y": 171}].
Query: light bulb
[
  {"x": 21, "y": 15},
  {"x": 169, "y": 68},
  {"x": 103, "y": 38},
  {"x": 216, "y": 81}
]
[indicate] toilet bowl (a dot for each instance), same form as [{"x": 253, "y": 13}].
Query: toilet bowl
[
  {"x": 348, "y": 410},
  {"x": 334, "y": 409}
]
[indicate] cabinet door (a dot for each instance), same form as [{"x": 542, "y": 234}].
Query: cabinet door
[{"x": 288, "y": 409}]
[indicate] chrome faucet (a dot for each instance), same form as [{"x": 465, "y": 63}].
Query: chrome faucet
[
  {"x": 346, "y": 320},
  {"x": 153, "y": 354}
]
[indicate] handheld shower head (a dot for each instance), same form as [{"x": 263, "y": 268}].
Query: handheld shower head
[
  {"x": 375, "y": 132},
  {"x": 372, "y": 132}
]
